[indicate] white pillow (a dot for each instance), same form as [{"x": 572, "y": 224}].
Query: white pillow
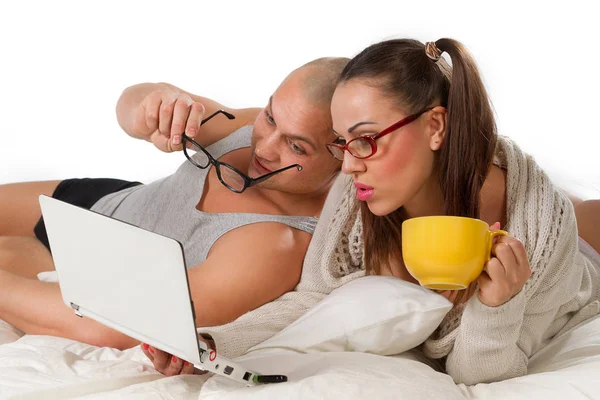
[{"x": 374, "y": 314}]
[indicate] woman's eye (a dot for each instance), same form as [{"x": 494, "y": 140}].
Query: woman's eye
[{"x": 339, "y": 140}]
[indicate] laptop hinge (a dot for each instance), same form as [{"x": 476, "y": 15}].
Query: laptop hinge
[{"x": 75, "y": 307}]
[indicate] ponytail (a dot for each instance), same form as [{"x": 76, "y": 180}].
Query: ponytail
[{"x": 468, "y": 150}]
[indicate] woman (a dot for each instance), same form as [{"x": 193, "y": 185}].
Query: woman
[{"x": 428, "y": 146}]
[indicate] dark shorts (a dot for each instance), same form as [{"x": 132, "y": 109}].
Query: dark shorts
[{"x": 83, "y": 193}]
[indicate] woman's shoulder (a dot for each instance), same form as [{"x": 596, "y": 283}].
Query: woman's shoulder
[
  {"x": 493, "y": 197},
  {"x": 539, "y": 214}
]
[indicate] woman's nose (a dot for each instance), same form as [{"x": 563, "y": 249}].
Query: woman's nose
[{"x": 352, "y": 164}]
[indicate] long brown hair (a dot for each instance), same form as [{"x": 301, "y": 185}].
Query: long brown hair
[{"x": 404, "y": 72}]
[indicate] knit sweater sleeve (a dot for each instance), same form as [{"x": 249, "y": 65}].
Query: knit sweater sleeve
[
  {"x": 495, "y": 343},
  {"x": 237, "y": 337},
  {"x": 486, "y": 348}
]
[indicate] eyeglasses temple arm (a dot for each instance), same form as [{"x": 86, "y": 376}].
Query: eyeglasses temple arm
[
  {"x": 401, "y": 123},
  {"x": 225, "y": 113},
  {"x": 270, "y": 174},
  {"x": 396, "y": 126}
]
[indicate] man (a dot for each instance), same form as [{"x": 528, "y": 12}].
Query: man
[{"x": 251, "y": 264}]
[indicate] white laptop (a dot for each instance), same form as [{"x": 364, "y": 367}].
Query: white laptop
[{"x": 112, "y": 271}]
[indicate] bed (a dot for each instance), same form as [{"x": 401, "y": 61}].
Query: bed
[{"x": 349, "y": 354}]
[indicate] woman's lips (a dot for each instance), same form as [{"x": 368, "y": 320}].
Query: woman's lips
[{"x": 363, "y": 192}]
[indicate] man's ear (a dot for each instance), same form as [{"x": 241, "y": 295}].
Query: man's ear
[{"x": 436, "y": 126}]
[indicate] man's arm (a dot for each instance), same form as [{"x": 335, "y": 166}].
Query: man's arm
[
  {"x": 246, "y": 268},
  {"x": 160, "y": 98}
]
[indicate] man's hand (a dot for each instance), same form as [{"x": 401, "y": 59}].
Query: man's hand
[
  {"x": 170, "y": 365},
  {"x": 160, "y": 113},
  {"x": 164, "y": 115},
  {"x": 506, "y": 272}
]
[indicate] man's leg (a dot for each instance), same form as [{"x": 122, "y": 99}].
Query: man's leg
[
  {"x": 24, "y": 256},
  {"x": 19, "y": 206},
  {"x": 26, "y": 303},
  {"x": 20, "y": 251},
  {"x": 588, "y": 222},
  {"x": 37, "y": 308}
]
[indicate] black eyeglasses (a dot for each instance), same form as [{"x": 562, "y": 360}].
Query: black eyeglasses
[
  {"x": 365, "y": 146},
  {"x": 231, "y": 177}
]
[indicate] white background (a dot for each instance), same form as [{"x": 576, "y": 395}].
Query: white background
[{"x": 63, "y": 65}]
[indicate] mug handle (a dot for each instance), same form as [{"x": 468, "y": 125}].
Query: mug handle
[{"x": 491, "y": 236}]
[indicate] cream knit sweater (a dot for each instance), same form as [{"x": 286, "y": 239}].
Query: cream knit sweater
[
  {"x": 484, "y": 344},
  {"x": 480, "y": 343},
  {"x": 334, "y": 257}
]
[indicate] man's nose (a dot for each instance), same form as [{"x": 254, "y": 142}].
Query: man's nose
[
  {"x": 266, "y": 148},
  {"x": 352, "y": 164}
]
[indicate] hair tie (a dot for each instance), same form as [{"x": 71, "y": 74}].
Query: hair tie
[{"x": 432, "y": 51}]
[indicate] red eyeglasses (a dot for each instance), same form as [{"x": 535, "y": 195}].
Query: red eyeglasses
[{"x": 365, "y": 146}]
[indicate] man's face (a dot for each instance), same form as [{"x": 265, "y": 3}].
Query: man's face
[{"x": 291, "y": 129}]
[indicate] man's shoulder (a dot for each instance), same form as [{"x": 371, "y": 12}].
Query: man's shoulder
[{"x": 268, "y": 238}]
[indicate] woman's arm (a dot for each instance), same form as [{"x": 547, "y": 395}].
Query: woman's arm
[
  {"x": 495, "y": 343},
  {"x": 486, "y": 348}
]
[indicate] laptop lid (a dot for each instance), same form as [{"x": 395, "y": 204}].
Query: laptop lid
[{"x": 125, "y": 277}]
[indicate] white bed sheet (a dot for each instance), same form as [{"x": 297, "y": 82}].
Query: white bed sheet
[
  {"x": 46, "y": 367},
  {"x": 42, "y": 367}
]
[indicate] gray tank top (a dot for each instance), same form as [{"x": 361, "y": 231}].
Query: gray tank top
[{"x": 168, "y": 206}]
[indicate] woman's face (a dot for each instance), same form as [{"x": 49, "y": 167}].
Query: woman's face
[{"x": 400, "y": 173}]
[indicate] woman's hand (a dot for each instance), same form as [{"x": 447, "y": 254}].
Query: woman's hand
[
  {"x": 164, "y": 115},
  {"x": 506, "y": 273},
  {"x": 170, "y": 365}
]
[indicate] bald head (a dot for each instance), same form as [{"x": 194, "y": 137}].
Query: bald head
[
  {"x": 318, "y": 79},
  {"x": 295, "y": 127}
]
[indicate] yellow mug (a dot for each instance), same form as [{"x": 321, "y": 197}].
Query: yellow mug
[{"x": 446, "y": 253}]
